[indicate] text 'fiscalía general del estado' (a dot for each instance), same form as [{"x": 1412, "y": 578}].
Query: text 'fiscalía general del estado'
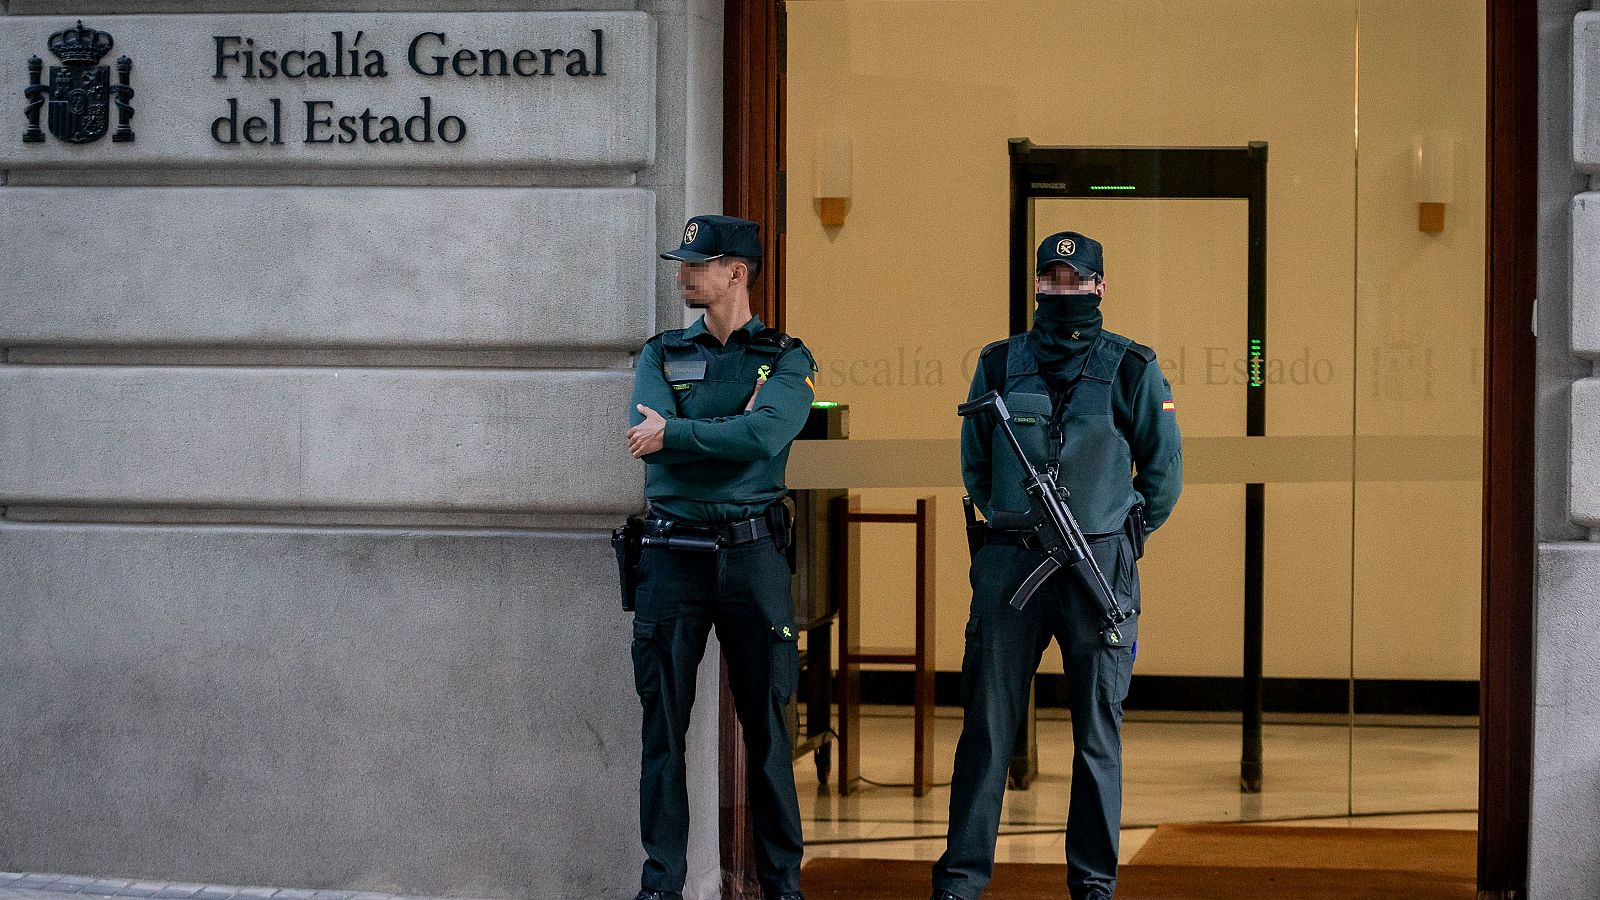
[{"x": 430, "y": 54}]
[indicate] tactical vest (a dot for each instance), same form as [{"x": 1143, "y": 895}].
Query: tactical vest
[
  {"x": 706, "y": 384},
  {"x": 710, "y": 385},
  {"x": 1094, "y": 459}
]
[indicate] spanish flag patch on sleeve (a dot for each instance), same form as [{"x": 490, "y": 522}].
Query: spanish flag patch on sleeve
[{"x": 1168, "y": 406}]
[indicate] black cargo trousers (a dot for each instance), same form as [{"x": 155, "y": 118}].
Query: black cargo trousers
[
  {"x": 1003, "y": 650},
  {"x": 744, "y": 593}
]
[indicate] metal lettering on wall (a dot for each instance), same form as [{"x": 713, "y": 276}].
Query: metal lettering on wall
[
  {"x": 381, "y": 89},
  {"x": 240, "y": 56}
]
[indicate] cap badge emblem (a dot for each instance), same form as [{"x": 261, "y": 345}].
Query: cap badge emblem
[
  {"x": 691, "y": 232},
  {"x": 1067, "y": 247}
]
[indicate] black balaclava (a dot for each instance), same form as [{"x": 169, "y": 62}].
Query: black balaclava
[{"x": 1064, "y": 327}]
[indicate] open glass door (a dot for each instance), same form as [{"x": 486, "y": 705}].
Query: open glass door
[{"x": 899, "y": 216}]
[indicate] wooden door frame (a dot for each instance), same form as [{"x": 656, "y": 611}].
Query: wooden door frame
[
  {"x": 753, "y": 180},
  {"x": 753, "y": 187},
  {"x": 1510, "y": 264}
]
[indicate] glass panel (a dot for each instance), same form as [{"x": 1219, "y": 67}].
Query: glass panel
[
  {"x": 1187, "y": 297},
  {"x": 1419, "y": 407}
]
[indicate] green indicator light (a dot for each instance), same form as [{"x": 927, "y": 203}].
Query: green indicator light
[
  {"x": 1112, "y": 187},
  {"x": 1257, "y": 365},
  {"x": 823, "y": 404}
]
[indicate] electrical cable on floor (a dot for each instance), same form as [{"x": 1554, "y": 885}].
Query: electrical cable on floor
[
  {"x": 834, "y": 735},
  {"x": 865, "y": 780}
]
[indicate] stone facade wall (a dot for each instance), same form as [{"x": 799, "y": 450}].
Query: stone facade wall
[
  {"x": 1565, "y": 839},
  {"x": 307, "y": 451}
]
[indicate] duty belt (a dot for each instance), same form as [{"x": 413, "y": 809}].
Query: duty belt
[
  {"x": 675, "y": 535},
  {"x": 1028, "y": 539}
]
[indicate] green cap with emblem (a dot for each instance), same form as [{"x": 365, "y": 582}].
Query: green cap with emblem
[
  {"x": 1070, "y": 248},
  {"x": 712, "y": 237}
]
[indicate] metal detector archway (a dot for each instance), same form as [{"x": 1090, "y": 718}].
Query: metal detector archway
[{"x": 1191, "y": 173}]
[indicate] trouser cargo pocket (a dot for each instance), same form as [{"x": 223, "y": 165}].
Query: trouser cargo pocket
[
  {"x": 646, "y": 660},
  {"x": 785, "y": 660}
]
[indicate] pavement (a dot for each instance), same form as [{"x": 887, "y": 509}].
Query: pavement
[{"x": 35, "y": 886}]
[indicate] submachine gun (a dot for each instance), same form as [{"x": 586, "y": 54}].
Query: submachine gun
[{"x": 1058, "y": 533}]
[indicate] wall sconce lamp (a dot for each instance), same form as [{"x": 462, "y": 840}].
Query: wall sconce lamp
[
  {"x": 1433, "y": 165},
  {"x": 833, "y": 175}
]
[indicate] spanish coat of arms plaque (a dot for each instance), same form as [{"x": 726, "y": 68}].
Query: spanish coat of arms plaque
[{"x": 80, "y": 91}]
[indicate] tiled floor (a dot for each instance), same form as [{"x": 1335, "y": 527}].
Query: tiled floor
[{"x": 1407, "y": 773}]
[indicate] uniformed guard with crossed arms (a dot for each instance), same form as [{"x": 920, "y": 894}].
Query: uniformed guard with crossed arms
[
  {"x": 715, "y": 408},
  {"x": 1092, "y": 409}
]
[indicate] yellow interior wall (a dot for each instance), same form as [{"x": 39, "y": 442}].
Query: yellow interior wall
[{"x": 1384, "y": 322}]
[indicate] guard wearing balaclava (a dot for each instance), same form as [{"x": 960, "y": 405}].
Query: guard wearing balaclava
[{"x": 1093, "y": 409}]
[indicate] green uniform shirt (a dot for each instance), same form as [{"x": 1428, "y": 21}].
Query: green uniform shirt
[
  {"x": 1142, "y": 410},
  {"x": 720, "y": 463}
]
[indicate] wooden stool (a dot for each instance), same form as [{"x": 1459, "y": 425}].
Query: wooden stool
[{"x": 846, "y": 512}]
